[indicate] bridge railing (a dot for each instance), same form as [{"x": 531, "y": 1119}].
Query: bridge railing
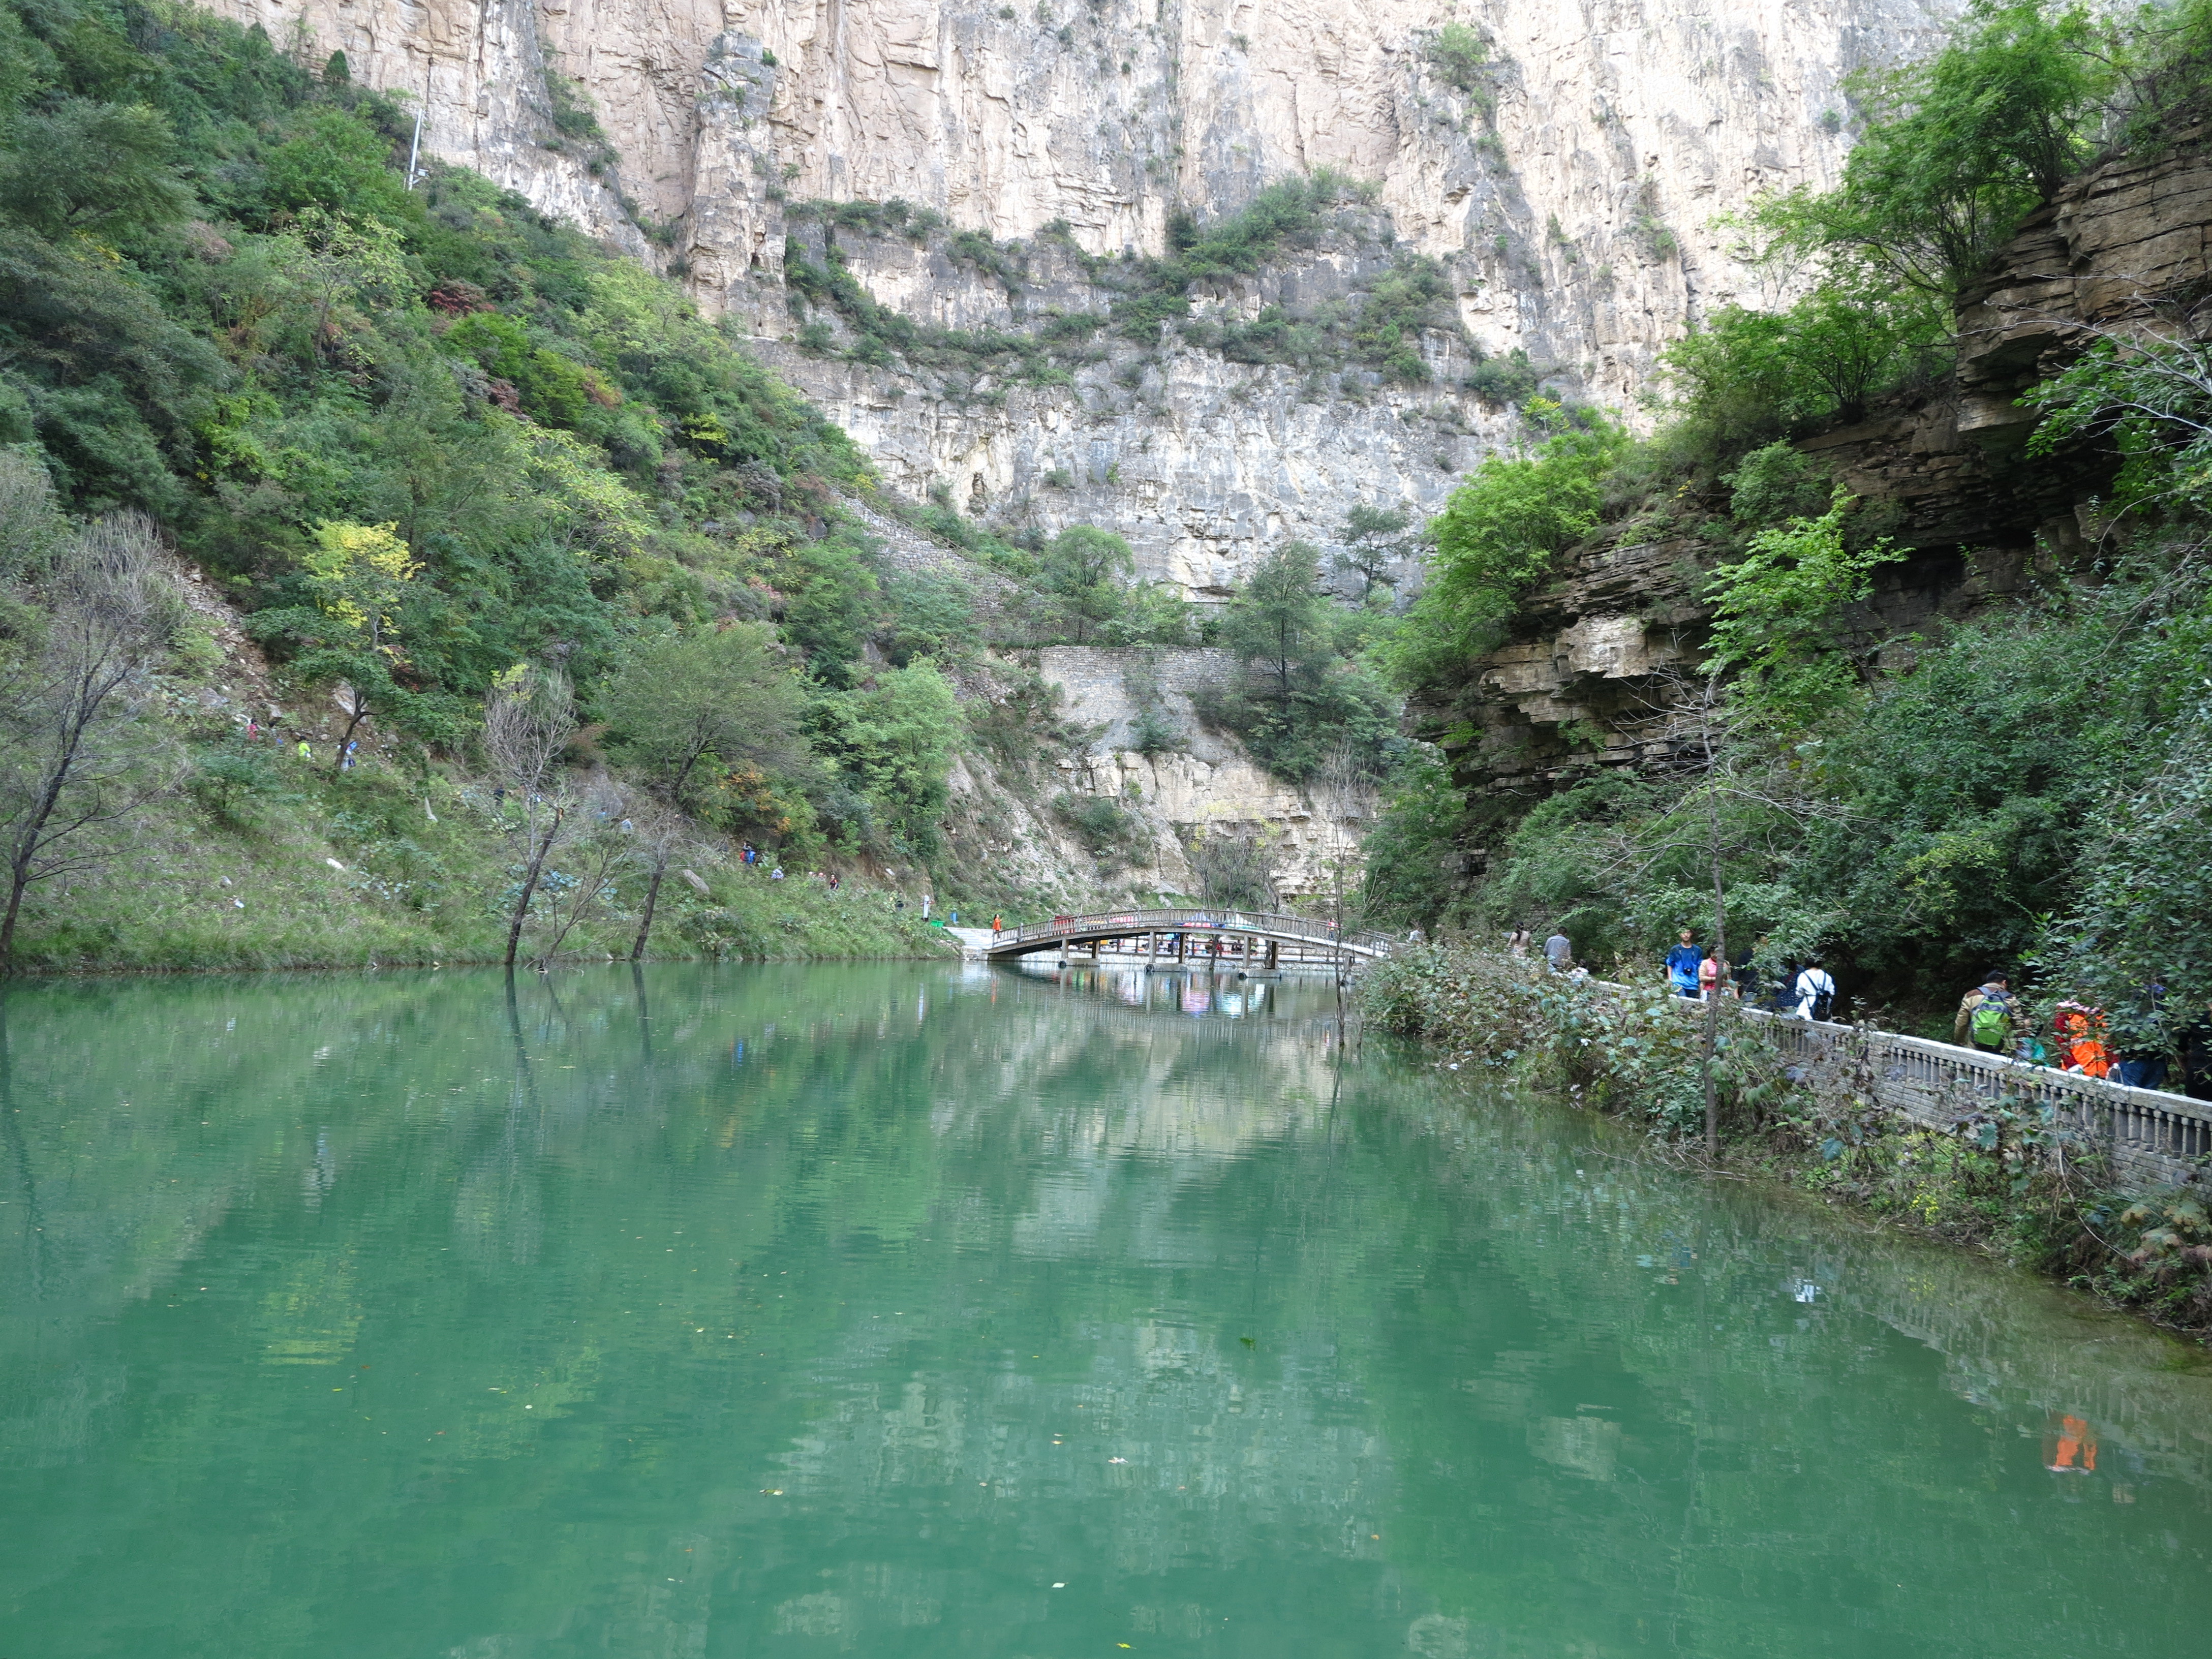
[
  {"x": 2152, "y": 1137},
  {"x": 1190, "y": 918}
]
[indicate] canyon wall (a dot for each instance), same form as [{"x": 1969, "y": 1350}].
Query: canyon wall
[
  {"x": 1569, "y": 188},
  {"x": 1557, "y": 197},
  {"x": 1600, "y": 670}
]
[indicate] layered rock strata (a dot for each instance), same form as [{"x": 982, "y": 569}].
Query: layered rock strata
[{"x": 1601, "y": 671}]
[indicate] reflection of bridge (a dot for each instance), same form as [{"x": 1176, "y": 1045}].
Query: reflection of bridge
[{"x": 1196, "y": 935}]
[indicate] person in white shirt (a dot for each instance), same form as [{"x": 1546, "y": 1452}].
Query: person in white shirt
[{"x": 1815, "y": 990}]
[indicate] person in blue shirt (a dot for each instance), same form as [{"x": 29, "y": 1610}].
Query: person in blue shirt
[{"x": 1682, "y": 966}]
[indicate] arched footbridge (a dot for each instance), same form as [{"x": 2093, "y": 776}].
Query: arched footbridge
[{"x": 1247, "y": 937}]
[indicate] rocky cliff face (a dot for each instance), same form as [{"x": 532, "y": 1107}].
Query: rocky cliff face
[
  {"x": 925, "y": 211},
  {"x": 1567, "y": 185},
  {"x": 1602, "y": 668}
]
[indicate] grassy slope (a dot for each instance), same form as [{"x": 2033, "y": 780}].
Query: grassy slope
[{"x": 412, "y": 889}]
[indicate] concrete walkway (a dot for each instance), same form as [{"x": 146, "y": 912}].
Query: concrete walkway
[{"x": 974, "y": 941}]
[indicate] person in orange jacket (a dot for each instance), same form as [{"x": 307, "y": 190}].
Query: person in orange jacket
[{"x": 2079, "y": 1030}]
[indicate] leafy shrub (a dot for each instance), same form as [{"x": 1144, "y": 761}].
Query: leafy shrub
[
  {"x": 1107, "y": 831},
  {"x": 236, "y": 783},
  {"x": 1504, "y": 381},
  {"x": 1460, "y": 56},
  {"x": 1775, "y": 483},
  {"x": 1496, "y": 539}
]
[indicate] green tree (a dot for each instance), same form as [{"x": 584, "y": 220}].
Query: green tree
[
  {"x": 1496, "y": 539},
  {"x": 835, "y": 602},
  {"x": 1744, "y": 375},
  {"x": 93, "y": 169},
  {"x": 717, "y": 693},
  {"x": 1300, "y": 701},
  {"x": 358, "y": 577},
  {"x": 2151, "y": 398},
  {"x": 715, "y": 698},
  {"x": 932, "y": 615},
  {"x": 1959, "y": 149},
  {"x": 1415, "y": 863},
  {"x": 1085, "y": 573},
  {"x": 2141, "y": 911},
  {"x": 1777, "y": 611},
  {"x": 336, "y": 161},
  {"x": 1373, "y": 538},
  {"x": 896, "y": 738},
  {"x": 1460, "y": 56},
  {"x": 1280, "y": 621},
  {"x": 1152, "y": 613}
]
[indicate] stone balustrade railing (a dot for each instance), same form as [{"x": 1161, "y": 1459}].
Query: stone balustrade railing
[{"x": 2154, "y": 1139}]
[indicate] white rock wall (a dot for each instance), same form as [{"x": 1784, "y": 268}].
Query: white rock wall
[
  {"x": 1576, "y": 208},
  {"x": 1002, "y": 126},
  {"x": 1619, "y": 126}
]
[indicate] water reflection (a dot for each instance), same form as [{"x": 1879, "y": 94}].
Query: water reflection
[
  {"x": 1200, "y": 989},
  {"x": 699, "y": 1311}
]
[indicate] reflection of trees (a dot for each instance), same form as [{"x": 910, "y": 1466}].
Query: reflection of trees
[
  {"x": 29, "y": 1228},
  {"x": 814, "y": 1245}
]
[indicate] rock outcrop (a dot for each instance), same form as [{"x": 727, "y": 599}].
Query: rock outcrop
[
  {"x": 1126, "y": 811},
  {"x": 1601, "y": 668}
]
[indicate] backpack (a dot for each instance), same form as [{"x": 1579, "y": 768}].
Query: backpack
[
  {"x": 1815, "y": 992},
  {"x": 1990, "y": 1024}
]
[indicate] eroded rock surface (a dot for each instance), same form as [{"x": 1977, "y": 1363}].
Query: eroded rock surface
[
  {"x": 1571, "y": 186},
  {"x": 1602, "y": 669}
]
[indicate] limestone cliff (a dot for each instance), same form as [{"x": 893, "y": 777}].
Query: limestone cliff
[
  {"x": 1569, "y": 186},
  {"x": 926, "y": 211}
]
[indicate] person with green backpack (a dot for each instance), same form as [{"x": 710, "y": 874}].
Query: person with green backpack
[{"x": 1987, "y": 1015}]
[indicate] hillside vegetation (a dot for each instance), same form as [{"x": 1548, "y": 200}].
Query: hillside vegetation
[
  {"x": 2032, "y": 794},
  {"x": 423, "y": 441}
]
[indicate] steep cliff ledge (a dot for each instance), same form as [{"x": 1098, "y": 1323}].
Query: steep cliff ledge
[{"x": 1603, "y": 662}]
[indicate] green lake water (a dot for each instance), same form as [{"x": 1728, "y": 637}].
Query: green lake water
[{"x": 908, "y": 1310}]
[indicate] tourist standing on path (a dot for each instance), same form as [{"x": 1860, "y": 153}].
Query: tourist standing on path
[
  {"x": 2143, "y": 1063},
  {"x": 1559, "y": 953},
  {"x": 1815, "y": 990},
  {"x": 1986, "y": 1014},
  {"x": 2080, "y": 1031},
  {"x": 1517, "y": 942},
  {"x": 925, "y": 907},
  {"x": 1682, "y": 965},
  {"x": 1710, "y": 973},
  {"x": 1745, "y": 971}
]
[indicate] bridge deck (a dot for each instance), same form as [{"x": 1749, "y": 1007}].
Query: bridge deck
[{"x": 1306, "y": 934}]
